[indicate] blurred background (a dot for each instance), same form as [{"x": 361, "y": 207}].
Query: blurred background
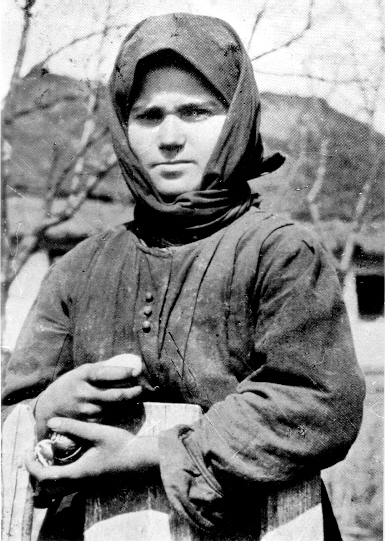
[{"x": 320, "y": 68}]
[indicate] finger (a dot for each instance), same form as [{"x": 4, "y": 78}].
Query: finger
[
  {"x": 40, "y": 472},
  {"x": 118, "y": 395},
  {"x": 32, "y": 464},
  {"x": 127, "y": 359},
  {"x": 91, "y": 432},
  {"x": 99, "y": 374},
  {"x": 91, "y": 409}
]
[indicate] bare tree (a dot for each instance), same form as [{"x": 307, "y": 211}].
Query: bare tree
[
  {"x": 7, "y": 254},
  {"x": 353, "y": 71},
  {"x": 17, "y": 251},
  {"x": 371, "y": 84}
]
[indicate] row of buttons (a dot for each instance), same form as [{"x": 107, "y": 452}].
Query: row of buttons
[
  {"x": 147, "y": 311},
  {"x": 146, "y": 325}
]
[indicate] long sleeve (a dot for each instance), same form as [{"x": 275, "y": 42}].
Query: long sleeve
[
  {"x": 300, "y": 408},
  {"x": 46, "y": 346},
  {"x": 44, "y": 349}
]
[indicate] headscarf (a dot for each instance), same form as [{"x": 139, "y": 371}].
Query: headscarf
[{"x": 214, "y": 49}]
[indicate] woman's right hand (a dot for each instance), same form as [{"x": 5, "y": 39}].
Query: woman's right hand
[{"x": 89, "y": 392}]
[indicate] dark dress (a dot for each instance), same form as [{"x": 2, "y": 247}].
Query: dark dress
[{"x": 249, "y": 323}]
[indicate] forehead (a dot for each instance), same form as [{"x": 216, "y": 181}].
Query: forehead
[{"x": 167, "y": 80}]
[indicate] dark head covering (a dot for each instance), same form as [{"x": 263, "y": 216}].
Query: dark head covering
[{"x": 214, "y": 49}]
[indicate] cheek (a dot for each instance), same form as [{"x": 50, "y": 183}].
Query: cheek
[
  {"x": 207, "y": 134},
  {"x": 140, "y": 141}
]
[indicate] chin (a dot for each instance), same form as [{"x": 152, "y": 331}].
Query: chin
[
  {"x": 169, "y": 196},
  {"x": 172, "y": 188}
]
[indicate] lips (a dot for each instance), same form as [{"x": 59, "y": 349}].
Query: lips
[{"x": 176, "y": 162}]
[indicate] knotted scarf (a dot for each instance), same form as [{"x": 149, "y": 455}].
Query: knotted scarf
[{"x": 213, "y": 49}]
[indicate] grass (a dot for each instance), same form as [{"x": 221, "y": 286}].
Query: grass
[{"x": 355, "y": 486}]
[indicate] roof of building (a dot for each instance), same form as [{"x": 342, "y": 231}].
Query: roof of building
[{"x": 27, "y": 212}]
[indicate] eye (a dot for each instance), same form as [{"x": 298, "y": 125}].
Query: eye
[
  {"x": 193, "y": 113},
  {"x": 149, "y": 117}
]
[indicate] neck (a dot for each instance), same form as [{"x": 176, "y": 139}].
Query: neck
[{"x": 193, "y": 220}]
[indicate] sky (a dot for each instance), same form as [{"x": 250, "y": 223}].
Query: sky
[{"x": 342, "y": 44}]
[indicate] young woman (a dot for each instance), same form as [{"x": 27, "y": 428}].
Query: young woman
[{"x": 228, "y": 307}]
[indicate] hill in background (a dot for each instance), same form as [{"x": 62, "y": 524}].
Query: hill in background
[
  {"x": 48, "y": 113},
  {"x": 297, "y": 126}
]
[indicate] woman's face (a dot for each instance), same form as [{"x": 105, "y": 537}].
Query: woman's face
[{"x": 173, "y": 127}]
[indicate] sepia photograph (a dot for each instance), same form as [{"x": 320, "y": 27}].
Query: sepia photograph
[{"x": 193, "y": 238}]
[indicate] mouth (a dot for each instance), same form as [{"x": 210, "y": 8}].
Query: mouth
[{"x": 171, "y": 163}]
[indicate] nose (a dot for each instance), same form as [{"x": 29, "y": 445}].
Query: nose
[{"x": 171, "y": 136}]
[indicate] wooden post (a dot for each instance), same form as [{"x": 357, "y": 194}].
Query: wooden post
[
  {"x": 142, "y": 512},
  {"x": 18, "y": 437},
  {"x": 293, "y": 513}
]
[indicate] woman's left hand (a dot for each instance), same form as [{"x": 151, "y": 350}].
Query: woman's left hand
[{"x": 111, "y": 452}]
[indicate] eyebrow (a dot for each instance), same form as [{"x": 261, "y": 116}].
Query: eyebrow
[{"x": 208, "y": 103}]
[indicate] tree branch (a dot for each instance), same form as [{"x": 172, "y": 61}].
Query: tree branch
[
  {"x": 31, "y": 242},
  {"x": 6, "y": 258},
  {"x": 71, "y": 166},
  {"x": 84, "y": 38},
  {"x": 257, "y": 20},
  {"x": 313, "y": 194},
  {"x": 89, "y": 128},
  {"x": 357, "y": 222},
  {"x": 75, "y": 201},
  {"x": 38, "y": 107},
  {"x": 79, "y": 194},
  {"x": 294, "y": 38},
  {"x": 27, "y": 9},
  {"x": 309, "y": 76}
]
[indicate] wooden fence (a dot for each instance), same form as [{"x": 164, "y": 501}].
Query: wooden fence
[{"x": 146, "y": 516}]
